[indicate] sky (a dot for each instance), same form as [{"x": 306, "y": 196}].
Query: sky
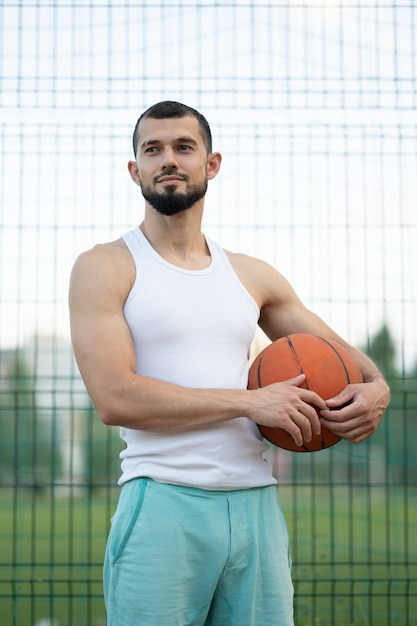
[{"x": 312, "y": 105}]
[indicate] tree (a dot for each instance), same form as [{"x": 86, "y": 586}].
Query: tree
[
  {"x": 24, "y": 449},
  {"x": 381, "y": 349},
  {"x": 102, "y": 447},
  {"x": 398, "y": 431}
]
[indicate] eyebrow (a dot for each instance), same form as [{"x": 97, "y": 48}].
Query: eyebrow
[{"x": 177, "y": 140}]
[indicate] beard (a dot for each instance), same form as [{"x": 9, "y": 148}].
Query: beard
[{"x": 170, "y": 201}]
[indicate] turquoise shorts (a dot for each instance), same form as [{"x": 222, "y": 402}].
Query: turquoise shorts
[{"x": 179, "y": 556}]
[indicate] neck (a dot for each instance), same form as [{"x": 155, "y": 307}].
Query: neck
[{"x": 177, "y": 238}]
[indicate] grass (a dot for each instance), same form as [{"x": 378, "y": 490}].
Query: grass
[
  {"x": 354, "y": 556},
  {"x": 52, "y": 555}
]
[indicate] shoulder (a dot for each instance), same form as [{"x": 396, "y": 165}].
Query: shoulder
[
  {"x": 265, "y": 283},
  {"x": 248, "y": 264},
  {"x": 281, "y": 310},
  {"x": 106, "y": 267},
  {"x": 113, "y": 253}
]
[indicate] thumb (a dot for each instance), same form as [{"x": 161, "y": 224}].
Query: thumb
[{"x": 341, "y": 399}]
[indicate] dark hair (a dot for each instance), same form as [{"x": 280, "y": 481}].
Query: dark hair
[{"x": 169, "y": 109}]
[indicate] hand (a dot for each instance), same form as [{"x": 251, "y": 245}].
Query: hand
[
  {"x": 286, "y": 405},
  {"x": 356, "y": 412}
]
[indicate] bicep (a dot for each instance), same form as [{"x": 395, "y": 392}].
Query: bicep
[
  {"x": 100, "y": 336},
  {"x": 281, "y": 310},
  {"x": 283, "y": 313},
  {"x": 289, "y": 318}
]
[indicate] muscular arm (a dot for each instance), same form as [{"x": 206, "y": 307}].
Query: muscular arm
[
  {"x": 356, "y": 412},
  {"x": 100, "y": 282}
]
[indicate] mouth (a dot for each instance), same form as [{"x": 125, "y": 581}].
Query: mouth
[{"x": 167, "y": 180}]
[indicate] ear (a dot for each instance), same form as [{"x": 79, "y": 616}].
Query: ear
[
  {"x": 213, "y": 164},
  {"x": 132, "y": 166}
]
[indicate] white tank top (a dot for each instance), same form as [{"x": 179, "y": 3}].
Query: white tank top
[{"x": 194, "y": 329}]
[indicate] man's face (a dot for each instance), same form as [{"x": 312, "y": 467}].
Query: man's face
[{"x": 171, "y": 163}]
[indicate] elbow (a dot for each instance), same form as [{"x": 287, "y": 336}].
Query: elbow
[
  {"x": 108, "y": 418},
  {"x": 113, "y": 411},
  {"x": 110, "y": 412},
  {"x": 116, "y": 405}
]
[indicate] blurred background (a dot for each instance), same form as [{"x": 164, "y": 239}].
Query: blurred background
[{"x": 313, "y": 107}]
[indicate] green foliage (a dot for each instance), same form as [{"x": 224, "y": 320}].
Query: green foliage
[
  {"x": 25, "y": 450},
  {"x": 397, "y": 434},
  {"x": 102, "y": 446},
  {"x": 381, "y": 349}
]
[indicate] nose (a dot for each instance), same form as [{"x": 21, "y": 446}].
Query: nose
[{"x": 169, "y": 160}]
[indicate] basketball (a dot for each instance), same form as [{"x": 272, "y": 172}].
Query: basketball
[{"x": 327, "y": 366}]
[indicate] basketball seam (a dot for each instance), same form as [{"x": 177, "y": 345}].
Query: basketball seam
[
  {"x": 322, "y": 440},
  {"x": 338, "y": 356},
  {"x": 259, "y": 371},
  {"x": 296, "y": 359},
  {"x": 340, "y": 359}
]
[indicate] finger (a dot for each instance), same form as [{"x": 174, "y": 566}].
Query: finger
[
  {"x": 297, "y": 380},
  {"x": 311, "y": 407},
  {"x": 299, "y": 429},
  {"x": 333, "y": 416},
  {"x": 296, "y": 434},
  {"x": 354, "y": 430},
  {"x": 341, "y": 414},
  {"x": 346, "y": 396},
  {"x": 312, "y": 423},
  {"x": 304, "y": 413},
  {"x": 307, "y": 421},
  {"x": 311, "y": 397}
]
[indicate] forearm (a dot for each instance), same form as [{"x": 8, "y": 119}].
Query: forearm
[
  {"x": 149, "y": 404},
  {"x": 370, "y": 372}
]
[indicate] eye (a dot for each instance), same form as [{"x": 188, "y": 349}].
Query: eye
[
  {"x": 150, "y": 150},
  {"x": 184, "y": 148}
]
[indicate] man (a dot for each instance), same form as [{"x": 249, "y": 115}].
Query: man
[{"x": 162, "y": 321}]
